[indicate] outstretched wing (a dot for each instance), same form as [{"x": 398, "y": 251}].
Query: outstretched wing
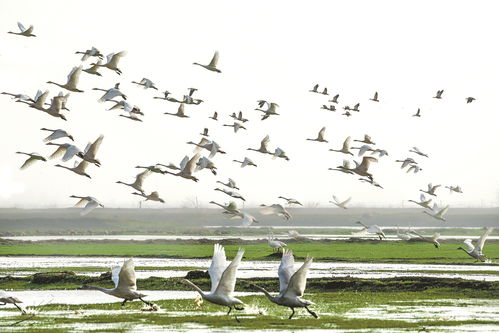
[
  {"x": 228, "y": 279},
  {"x": 127, "y": 278},
  {"x": 90, "y": 206},
  {"x": 21, "y": 27},
  {"x": 286, "y": 270},
  {"x": 346, "y": 144},
  {"x": 482, "y": 238},
  {"x": 298, "y": 281},
  {"x": 217, "y": 267},
  {"x": 115, "y": 275},
  {"x": 214, "y": 60}
]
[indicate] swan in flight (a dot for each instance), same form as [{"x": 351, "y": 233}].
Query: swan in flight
[
  {"x": 215, "y": 116},
  {"x": 169, "y": 99},
  {"x": 314, "y": 89},
  {"x": 236, "y": 126},
  {"x": 263, "y": 146},
  {"x": 94, "y": 69},
  {"x": 187, "y": 168},
  {"x": 72, "y": 82},
  {"x": 276, "y": 244},
  {"x": 125, "y": 284},
  {"x": 294, "y": 234},
  {"x": 375, "y": 98},
  {"x": 37, "y": 103},
  {"x": 24, "y": 32},
  {"x": 363, "y": 168},
  {"x": 246, "y": 219},
  {"x": 153, "y": 168},
  {"x": 223, "y": 280},
  {"x": 346, "y": 147},
  {"x": 8, "y": 299},
  {"x": 320, "y": 136},
  {"x": 271, "y": 109},
  {"x": 363, "y": 149},
  {"x": 230, "y": 184},
  {"x": 439, "y": 215},
  {"x": 476, "y": 251},
  {"x": 154, "y": 196},
  {"x": 90, "y": 152},
  {"x": 417, "y": 151},
  {"x": 139, "y": 181},
  {"x": 56, "y": 134},
  {"x": 415, "y": 168},
  {"x": 439, "y": 94},
  {"x": 418, "y": 113},
  {"x": 432, "y": 239},
  {"x": 205, "y": 132},
  {"x": 93, "y": 52},
  {"x": 329, "y": 108},
  {"x": 403, "y": 236},
  {"x": 211, "y": 146},
  {"x": 275, "y": 209},
  {"x": 370, "y": 181},
  {"x": 345, "y": 167},
  {"x": 292, "y": 283},
  {"x": 367, "y": 140},
  {"x": 431, "y": 189},
  {"x": 110, "y": 93},
  {"x": 146, "y": 83},
  {"x": 131, "y": 116},
  {"x": 90, "y": 204},
  {"x": 290, "y": 201},
  {"x": 335, "y": 99},
  {"x": 373, "y": 229},
  {"x": 279, "y": 153},
  {"x": 423, "y": 202},
  {"x": 212, "y": 66},
  {"x": 245, "y": 162},
  {"x": 456, "y": 189},
  {"x": 67, "y": 150},
  {"x": 231, "y": 208},
  {"x": 19, "y": 97},
  {"x": 470, "y": 100},
  {"x": 342, "y": 204},
  {"x": 33, "y": 157},
  {"x": 406, "y": 162},
  {"x": 239, "y": 117},
  {"x": 79, "y": 168},
  {"x": 206, "y": 163},
  {"x": 380, "y": 152},
  {"x": 113, "y": 60},
  {"x": 233, "y": 194},
  {"x": 180, "y": 112}
]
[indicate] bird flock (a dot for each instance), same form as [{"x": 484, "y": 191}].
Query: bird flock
[{"x": 223, "y": 276}]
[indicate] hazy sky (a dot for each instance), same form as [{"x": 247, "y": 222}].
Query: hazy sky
[{"x": 272, "y": 50}]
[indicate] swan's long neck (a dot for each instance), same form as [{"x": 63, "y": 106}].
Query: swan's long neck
[
  {"x": 203, "y": 295},
  {"x": 104, "y": 290},
  {"x": 270, "y": 297}
]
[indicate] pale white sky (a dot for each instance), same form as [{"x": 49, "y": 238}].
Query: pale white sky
[{"x": 273, "y": 50}]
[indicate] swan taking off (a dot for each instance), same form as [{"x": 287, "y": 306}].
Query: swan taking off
[
  {"x": 246, "y": 219},
  {"x": 342, "y": 204},
  {"x": 125, "y": 284},
  {"x": 292, "y": 283},
  {"x": 223, "y": 280},
  {"x": 432, "y": 239},
  {"x": 24, "y": 32},
  {"x": 439, "y": 215},
  {"x": 373, "y": 229},
  {"x": 90, "y": 204},
  {"x": 8, "y": 299},
  {"x": 476, "y": 251},
  {"x": 275, "y": 209},
  {"x": 212, "y": 66}
]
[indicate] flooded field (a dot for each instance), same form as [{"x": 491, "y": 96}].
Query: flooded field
[{"x": 159, "y": 267}]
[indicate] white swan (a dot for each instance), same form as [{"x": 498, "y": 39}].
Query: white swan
[
  {"x": 72, "y": 82},
  {"x": 79, "y": 168},
  {"x": 187, "y": 168},
  {"x": 439, "y": 215},
  {"x": 113, "y": 60},
  {"x": 154, "y": 196},
  {"x": 245, "y": 162},
  {"x": 90, "y": 152},
  {"x": 342, "y": 204},
  {"x": 290, "y": 201},
  {"x": 276, "y": 244},
  {"x": 33, "y": 157},
  {"x": 90, "y": 204},
  {"x": 8, "y": 299},
  {"x": 139, "y": 181},
  {"x": 320, "y": 136},
  {"x": 275, "y": 209},
  {"x": 345, "y": 148},
  {"x": 233, "y": 194},
  {"x": 292, "y": 284},
  {"x": 212, "y": 66},
  {"x": 223, "y": 280},
  {"x": 372, "y": 229},
  {"x": 56, "y": 134},
  {"x": 24, "y": 32},
  {"x": 477, "y": 251}
]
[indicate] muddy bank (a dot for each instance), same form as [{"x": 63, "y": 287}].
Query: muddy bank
[{"x": 69, "y": 280}]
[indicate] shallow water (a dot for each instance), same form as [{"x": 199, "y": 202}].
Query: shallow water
[
  {"x": 250, "y": 269},
  {"x": 197, "y": 237}
]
